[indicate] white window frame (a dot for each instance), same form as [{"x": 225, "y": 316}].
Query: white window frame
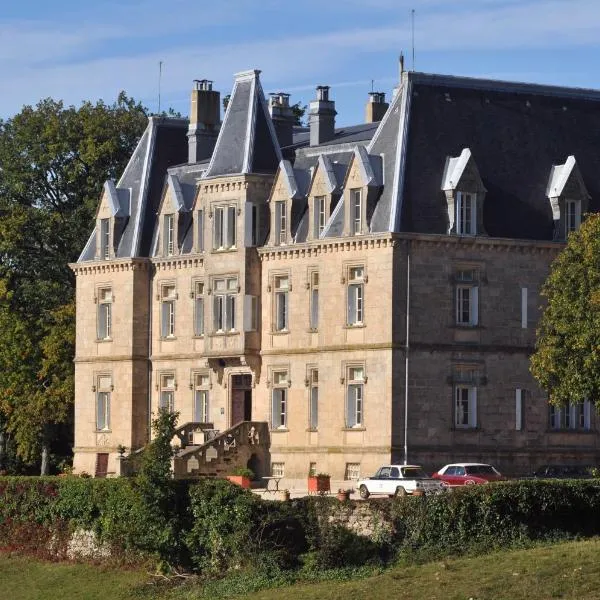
[
  {"x": 356, "y": 216},
  {"x": 199, "y": 308},
  {"x": 104, "y": 314},
  {"x": 168, "y": 295},
  {"x": 168, "y": 387},
  {"x": 281, "y": 302},
  {"x": 573, "y": 417},
  {"x": 572, "y": 215},
  {"x": 313, "y": 399},
  {"x": 314, "y": 300},
  {"x": 104, "y": 239},
  {"x": 280, "y": 223},
  {"x": 169, "y": 234},
  {"x": 225, "y": 227},
  {"x": 465, "y": 406},
  {"x": 466, "y": 213},
  {"x": 201, "y": 401},
  {"x": 279, "y": 399},
  {"x": 355, "y": 396},
  {"x": 355, "y": 314},
  {"x": 224, "y": 304},
  {"x": 319, "y": 216},
  {"x": 103, "y": 398}
]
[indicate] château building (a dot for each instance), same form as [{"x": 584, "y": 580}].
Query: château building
[{"x": 368, "y": 293}]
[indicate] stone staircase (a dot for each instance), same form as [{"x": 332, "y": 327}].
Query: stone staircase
[{"x": 207, "y": 453}]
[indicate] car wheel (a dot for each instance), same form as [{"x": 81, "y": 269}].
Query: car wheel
[
  {"x": 445, "y": 484},
  {"x": 469, "y": 482},
  {"x": 364, "y": 492},
  {"x": 400, "y": 491}
]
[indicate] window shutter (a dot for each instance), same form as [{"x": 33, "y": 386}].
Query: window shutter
[
  {"x": 518, "y": 409},
  {"x": 164, "y": 331},
  {"x": 231, "y": 226},
  {"x": 248, "y": 224},
  {"x": 473, "y": 407},
  {"x": 230, "y": 312},
  {"x": 249, "y": 313},
  {"x": 314, "y": 309},
  {"x": 524, "y": 308},
  {"x": 314, "y": 407},
  {"x": 199, "y": 317},
  {"x": 218, "y": 228},
  {"x": 200, "y": 230},
  {"x": 475, "y": 305},
  {"x": 99, "y": 411},
  {"x": 459, "y": 201},
  {"x": 473, "y": 224},
  {"x": 351, "y": 304},
  {"x": 107, "y": 410},
  {"x": 587, "y": 415},
  {"x": 101, "y": 322},
  {"x": 351, "y": 409},
  {"x": 275, "y": 409}
]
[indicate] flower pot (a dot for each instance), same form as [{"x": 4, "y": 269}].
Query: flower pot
[
  {"x": 285, "y": 495},
  {"x": 318, "y": 484},
  {"x": 240, "y": 480}
]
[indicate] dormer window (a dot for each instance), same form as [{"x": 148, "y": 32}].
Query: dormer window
[
  {"x": 319, "y": 216},
  {"x": 356, "y": 211},
  {"x": 572, "y": 215},
  {"x": 104, "y": 239},
  {"x": 466, "y": 213},
  {"x": 280, "y": 222},
  {"x": 169, "y": 235}
]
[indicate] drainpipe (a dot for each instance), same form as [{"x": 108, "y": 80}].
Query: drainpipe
[{"x": 406, "y": 348}]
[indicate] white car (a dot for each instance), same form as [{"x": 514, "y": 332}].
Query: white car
[{"x": 398, "y": 480}]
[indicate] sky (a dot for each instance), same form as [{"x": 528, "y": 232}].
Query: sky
[{"x": 78, "y": 50}]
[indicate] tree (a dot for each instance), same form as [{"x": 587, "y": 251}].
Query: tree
[
  {"x": 298, "y": 112},
  {"x": 566, "y": 361},
  {"x": 53, "y": 162}
]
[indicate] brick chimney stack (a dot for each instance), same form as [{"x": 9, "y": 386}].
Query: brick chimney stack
[
  {"x": 375, "y": 107},
  {"x": 321, "y": 117},
  {"x": 282, "y": 116},
  {"x": 205, "y": 120}
]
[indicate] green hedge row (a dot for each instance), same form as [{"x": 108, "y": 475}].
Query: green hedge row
[{"x": 211, "y": 526}]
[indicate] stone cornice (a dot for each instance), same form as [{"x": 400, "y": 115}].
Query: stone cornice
[
  {"x": 178, "y": 262},
  {"x": 111, "y": 358},
  {"x": 110, "y": 266}
]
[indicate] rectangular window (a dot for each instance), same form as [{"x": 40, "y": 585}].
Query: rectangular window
[
  {"x": 169, "y": 235},
  {"x": 198, "y": 308},
  {"x": 282, "y": 286},
  {"x": 352, "y": 472},
  {"x": 356, "y": 211},
  {"x": 519, "y": 406},
  {"x": 313, "y": 416},
  {"x": 465, "y": 410},
  {"x": 573, "y": 215},
  {"x": 200, "y": 230},
  {"x": 167, "y": 392},
  {"x": 279, "y": 400},
  {"x": 355, "y": 397},
  {"x": 524, "y": 308},
  {"x": 467, "y": 299},
  {"x": 319, "y": 215},
  {"x": 278, "y": 469},
  {"x": 225, "y": 293},
  {"x": 571, "y": 416},
  {"x": 225, "y": 227},
  {"x": 314, "y": 300},
  {"x": 168, "y": 297},
  {"x": 105, "y": 314},
  {"x": 466, "y": 207},
  {"x": 201, "y": 404},
  {"x": 104, "y": 239},
  {"x": 103, "y": 402},
  {"x": 280, "y": 223},
  {"x": 355, "y": 296},
  {"x": 250, "y": 313}
]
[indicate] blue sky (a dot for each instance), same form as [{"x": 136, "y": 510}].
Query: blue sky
[{"x": 75, "y": 49}]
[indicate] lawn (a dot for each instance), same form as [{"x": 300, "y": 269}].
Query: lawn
[{"x": 569, "y": 571}]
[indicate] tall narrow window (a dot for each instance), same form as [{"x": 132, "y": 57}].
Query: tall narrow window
[
  {"x": 356, "y": 211},
  {"x": 168, "y": 297},
  {"x": 231, "y": 226},
  {"x": 573, "y": 215},
  {"x": 524, "y": 308},
  {"x": 467, "y": 298},
  {"x": 465, "y": 410},
  {"x": 201, "y": 403},
  {"x": 282, "y": 286},
  {"x": 219, "y": 220},
  {"x": 167, "y": 392},
  {"x": 356, "y": 296},
  {"x": 279, "y": 400},
  {"x": 103, "y": 402},
  {"x": 225, "y": 224},
  {"x": 198, "y": 308},
  {"x": 169, "y": 235},
  {"x": 519, "y": 397},
  {"x": 105, "y": 314},
  {"x": 319, "y": 213},
  {"x": 280, "y": 223},
  {"x": 314, "y": 300},
  {"x": 254, "y": 224},
  {"x": 200, "y": 230},
  {"x": 466, "y": 214},
  {"x": 224, "y": 305},
  {"x": 313, "y": 417},
  {"x": 104, "y": 239},
  {"x": 355, "y": 397}
]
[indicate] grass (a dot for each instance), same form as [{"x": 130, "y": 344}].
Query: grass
[{"x": 568, "y": 571}]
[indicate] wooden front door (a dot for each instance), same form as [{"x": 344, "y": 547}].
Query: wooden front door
[
  {"x": 101, "y": 465},
  {"x": 241, "y": 398}
]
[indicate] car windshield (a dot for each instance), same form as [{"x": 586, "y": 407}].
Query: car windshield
[
  {"x": 414, "y": 473},
  {"x": 481, "y": 470}
]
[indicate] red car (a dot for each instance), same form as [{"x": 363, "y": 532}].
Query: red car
[{"x": 467, "y": 474}]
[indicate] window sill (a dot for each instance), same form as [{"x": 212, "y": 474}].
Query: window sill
[
  {"x": 221, "y": 250},
  {"x": 281, "y": 332},
  {"x": 280, "y": 430},
  {"x": 103, "y": 340},
  {"x": 466, "y": 428},
  {"x": 168, "y": 338},
  {"x": 102, "y": 430},
  {"x": 354, "y": 326},
  {"x": 198, "y": 337},
  {"x": 361, "y": 428},
  {"x": 224, "y": 333},
  {"x": 312, "y": 430}
]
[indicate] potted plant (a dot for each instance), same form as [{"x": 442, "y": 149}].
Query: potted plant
[
  {"x": 241, "y": 476},
  {"x": 319, "y": 483},
  {"x": 344, "y": 495},
  {"x": 285, "y": 495}
]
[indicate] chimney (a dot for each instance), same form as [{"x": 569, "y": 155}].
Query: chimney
[
  {"x": 321, "y": 117},
  {"x": 282, "y": 116},
  {"x": 205, "y": 120},
  {"x": 375, "y": 107}
]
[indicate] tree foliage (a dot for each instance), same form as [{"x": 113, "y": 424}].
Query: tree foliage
[
  {"x": 566, "y": 361},
  {"x": 53, "y": 162}
]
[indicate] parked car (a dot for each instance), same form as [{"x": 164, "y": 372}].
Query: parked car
[
  {"x": 398, "y": 480},
  {"x": 467, "y": 474},
  {"x": 563, "y": 472}
]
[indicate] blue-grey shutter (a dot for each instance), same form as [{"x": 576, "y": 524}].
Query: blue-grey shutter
[
  {"x": 218, "y": 233},
  {"x": 164, "y": 319},
  {"x": 231, "y": 226},
  {"x": 351, "y": 304},
  {"x": 351, "y": 407},
  {"x": 275, "y": 409},
  {"x": 314, "y": 309},
  {"x": 101, "y": 322},
  {"x": 314, "y": 407}
]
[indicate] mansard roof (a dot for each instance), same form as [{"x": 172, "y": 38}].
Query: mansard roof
[{"x": 247, "y": 142}]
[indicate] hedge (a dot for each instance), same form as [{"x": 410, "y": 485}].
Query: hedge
[{"x": 212, "y": 526}]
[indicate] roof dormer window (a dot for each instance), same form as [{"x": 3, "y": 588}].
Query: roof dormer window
[
  {"x": 319, "y": 216},
  {"x": 104, "y": 239},
  {"x": 169, "y": 235},
  {"x": 572, "y": 215},
  {"x": 466, "y": 213},
  {"x": 280, "y": 223}
]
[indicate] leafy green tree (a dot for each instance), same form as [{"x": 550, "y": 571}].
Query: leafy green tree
[
  {"x": 53, "y": 162},
  {"x": 566, "y": 361}
]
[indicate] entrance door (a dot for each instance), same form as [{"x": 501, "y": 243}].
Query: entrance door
[{"x": 241, "y": 398}]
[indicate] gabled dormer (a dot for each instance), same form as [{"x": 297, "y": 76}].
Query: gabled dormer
[
  {"x": 465, "y": 195},
  {"x": 174, "y": 217},
  {"x": 111, "y": 219},
  {"x": 323, "y": 194},
  {"x": 568, "y": 197},
  {"x": 284, "y": 192},
  {"x": 361, "y": 189}
]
